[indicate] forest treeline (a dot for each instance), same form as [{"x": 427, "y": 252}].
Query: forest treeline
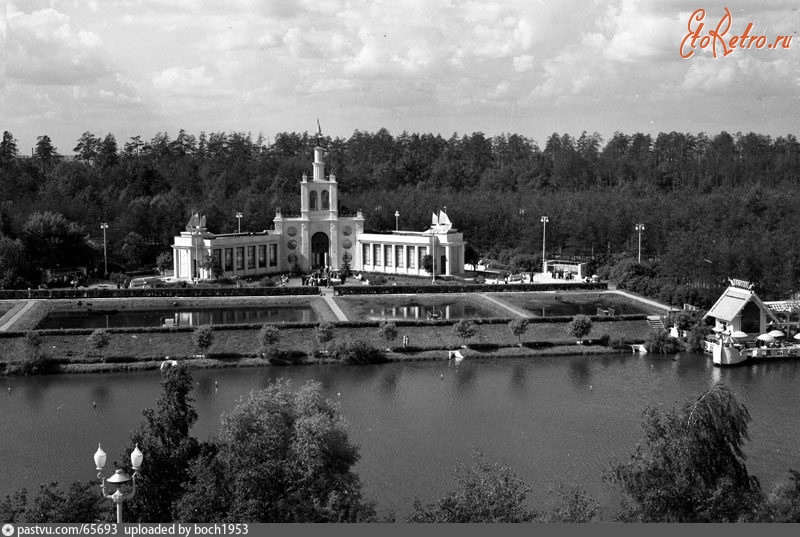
[{"x": 712, "y": 206}]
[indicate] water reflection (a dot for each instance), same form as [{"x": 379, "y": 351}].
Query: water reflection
[
  {"x": 579, "y": 373},
  {"x": 388, "y": 384},
  {"x": 557, "y": 306},
  {"x": 518, "y": 379},
  {"x": 464, "y": 377},
  {"x": 176, "y": 317},
  {"x": 413, "y": 311},
  {"x": 99, "y": 394}
]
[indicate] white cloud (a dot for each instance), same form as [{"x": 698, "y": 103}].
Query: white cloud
[
  {"x": 523, "y": 63},
  {"x": 461, "y": 64},
  {"x": 179, "y": 80},
  {"x": 45, "y": 48}
]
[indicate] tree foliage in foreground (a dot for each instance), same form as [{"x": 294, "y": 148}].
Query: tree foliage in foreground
[
  {"x": 168, "y": 449},
  {"x": 281, "y": 456},
  {"x": 485, "y": 492},
  {"x": 691, "y": 466}
]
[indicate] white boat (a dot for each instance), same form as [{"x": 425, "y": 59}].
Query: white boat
[
  {"x": 727, "y": 354},
  {"x": 455, "y": 355}
]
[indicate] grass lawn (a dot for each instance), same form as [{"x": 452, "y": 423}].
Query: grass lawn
[
  {"x": 6, "y": 306},
  {"x": 143, "y": 347}
]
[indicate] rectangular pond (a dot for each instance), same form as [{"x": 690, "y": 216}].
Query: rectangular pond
[
  {"x": 176, "y": 317},
  {"x": 568, "y": 304}
]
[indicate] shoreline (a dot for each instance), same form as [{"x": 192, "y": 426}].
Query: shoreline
[
  {"x": 193, "y": 362},
  {"x": 132, "y": 349}
]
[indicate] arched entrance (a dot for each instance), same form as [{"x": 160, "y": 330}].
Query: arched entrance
[{"x": 319, "y": 250}]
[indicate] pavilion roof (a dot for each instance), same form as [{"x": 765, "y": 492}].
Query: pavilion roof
[{"x": 732, "y": 301}]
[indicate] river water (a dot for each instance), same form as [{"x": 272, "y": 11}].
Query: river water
[{"x": 553, "y": 420}]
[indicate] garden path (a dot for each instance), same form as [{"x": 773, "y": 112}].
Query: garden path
[{"x": 327, "y": 295}]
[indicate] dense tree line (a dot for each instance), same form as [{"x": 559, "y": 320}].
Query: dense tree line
[
  {"x": 713, "y": 206},
  {"x": 283, "y": 455}
]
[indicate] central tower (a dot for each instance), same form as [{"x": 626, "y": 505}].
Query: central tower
[{"x": 318, "y": 197}]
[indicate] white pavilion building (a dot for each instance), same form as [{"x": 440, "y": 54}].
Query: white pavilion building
[{"x": 317, "y": 239}]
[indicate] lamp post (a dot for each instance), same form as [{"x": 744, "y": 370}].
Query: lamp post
[
  {"x": 197, "y": 254},
  {"x": 239, "y": 218},
  {"x": 640, "y": 228},
  {"x": 397, "y": 220},
  {"x": 433, "y": 257},
  {"x": 544, "y": 220},
  {"x": 104, "y": 227},
  {"x": 119, "y": 478}
]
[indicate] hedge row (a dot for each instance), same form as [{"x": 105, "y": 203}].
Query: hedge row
[
  {"x": 465, "y": 288},
  {"x": 156, "y": 292},
  {"x": 338, "y": 324}
]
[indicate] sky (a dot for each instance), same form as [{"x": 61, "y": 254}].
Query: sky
[{"x": 531, "y": 67}]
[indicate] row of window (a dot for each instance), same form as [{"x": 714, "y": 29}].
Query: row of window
[
  {"x": 402, "y": 256},
  {"x": 230, "y": 259}
]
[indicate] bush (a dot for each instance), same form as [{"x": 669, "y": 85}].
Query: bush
[
  {"x": 660, "y": 342},
  {"x": 357, "y": 351},
  {"x": 324, "y": 335},
  {"x": 277, "y": 356},
  {"x": 34, "y": 361},
  {"x": 267, "y": 282},
  {"x": 462, "y": 288},
  {"x": 98, "y": 340},
  {"x": 697, "y": 336},
  {"x": 268, "y": 337},
  {"x": 616, "y": 342},
  {"x": 203, "y": 338},
  {"x": 388, "y": 330}
]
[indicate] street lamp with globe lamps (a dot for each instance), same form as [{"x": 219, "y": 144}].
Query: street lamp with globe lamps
[
  {"x": 239, "y": 218},
  {"x": 397, "y": 220},
  {"x": 119, "y": 478}
]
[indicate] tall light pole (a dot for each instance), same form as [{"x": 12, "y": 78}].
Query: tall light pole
[
  {"x": 397, "y": 220},
  {"x": 196, "y": 240},
  {"x": 239, "y": 218},
  {"x": 104, "y": 227},
  {"x": 433, "y": 257},
  {"x": 640, "y": 228},
  {"x": 119, "y": 478},
  {"x": 544, "y": 220}
]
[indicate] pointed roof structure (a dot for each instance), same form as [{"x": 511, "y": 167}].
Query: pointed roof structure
[{"x": 733, "y": 301}]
